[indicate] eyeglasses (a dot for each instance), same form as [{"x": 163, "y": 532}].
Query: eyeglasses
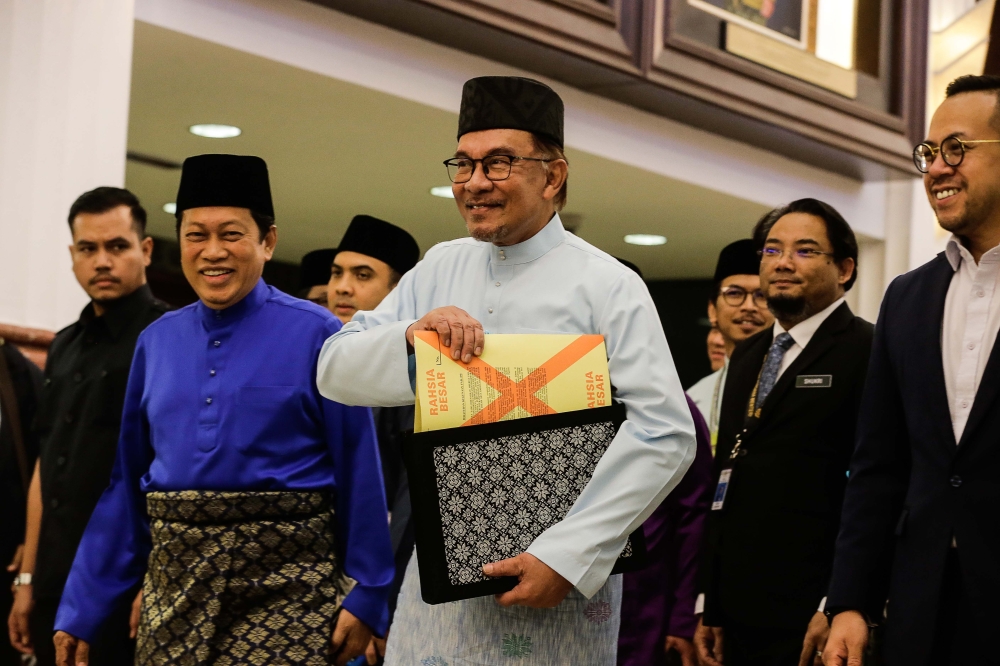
[
  {"x": 495, "y": 167},
  {"x": 952, "y": 150},
  {"x": 803, "y": 253},
  {"x": 737, "y": 296}
]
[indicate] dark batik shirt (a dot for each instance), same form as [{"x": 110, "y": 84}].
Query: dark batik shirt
[{"x": 79, "y": 417}]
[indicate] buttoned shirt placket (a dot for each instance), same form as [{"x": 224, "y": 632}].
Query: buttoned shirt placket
[
  {"x": 977, "y": 314},
  {"x": 500, "y": 272}
]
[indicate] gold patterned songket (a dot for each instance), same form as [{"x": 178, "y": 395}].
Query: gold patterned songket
[{"x": 240, "y": 578}]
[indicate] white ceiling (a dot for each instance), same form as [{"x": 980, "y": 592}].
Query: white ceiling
[{"x": 336, "y": 149}]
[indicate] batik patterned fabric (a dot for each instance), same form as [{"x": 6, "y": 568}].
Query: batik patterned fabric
[
  {"x": 240, "y": 578},
  {"x": 497, "y": 495},
  {"x": 479, "y": 631}
]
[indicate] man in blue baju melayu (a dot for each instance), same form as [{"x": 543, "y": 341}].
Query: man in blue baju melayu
[{"x": 252, "y": 506}]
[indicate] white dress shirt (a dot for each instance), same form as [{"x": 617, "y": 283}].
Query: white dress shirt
[
  {"x": 554, "y": 282},
  {"x": 706, "y": 394},
  {"x": 969, "y": 327},
  {"x": 802, "y": 333}
]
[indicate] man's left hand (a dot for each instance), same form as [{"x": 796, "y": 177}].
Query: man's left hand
[
  {"x": 684, "y": 648},
  {"x": 350, "y": 637},
  {"x": 538, "y": 586},
  {"x": 815, "y": 641}
]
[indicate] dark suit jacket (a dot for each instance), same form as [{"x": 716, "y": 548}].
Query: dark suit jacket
[
  {"x": 911, "y": 488},
  {"x": 770, "y": 550}
]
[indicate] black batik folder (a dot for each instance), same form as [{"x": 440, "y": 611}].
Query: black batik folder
[{"x": 483, "y": 493}]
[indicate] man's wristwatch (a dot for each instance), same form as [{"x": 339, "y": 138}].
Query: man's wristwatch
[{"x": 22, "y": 579}]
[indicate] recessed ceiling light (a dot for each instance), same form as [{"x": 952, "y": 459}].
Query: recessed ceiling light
[
  {"x": 443, "y": 191},
  {"x": 211, "y": 131},
  {"x": 170, "y": 208},
  {"x": 645, "y": 239}
]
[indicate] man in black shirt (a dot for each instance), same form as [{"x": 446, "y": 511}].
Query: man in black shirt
[
  {"x": 372, "y": 257},
  {"x": 80, "y": 414},
  {"x": 20, "y": 383}
]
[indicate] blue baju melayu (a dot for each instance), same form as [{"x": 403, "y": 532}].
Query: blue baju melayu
[{"x": 257, "y": 497}]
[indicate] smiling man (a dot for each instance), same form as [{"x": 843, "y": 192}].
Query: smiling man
[
  {"x": 738, "y": 310},
  {"x": 919, "y": 523},
  {"x": 785, "y": 439},
  {"x": 521, "y": 272},
  {"x": 250, "y": 496},
  {"x": 79, "y": 416}
]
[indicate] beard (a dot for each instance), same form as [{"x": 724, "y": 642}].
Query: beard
[
  {"x": 786, "y": 308},
  {"x": 489, "y": 235}
]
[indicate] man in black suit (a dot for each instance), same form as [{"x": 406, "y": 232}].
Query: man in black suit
[
  {"x": 786, "y": 435},
  {"x": 920, "y": 527}
]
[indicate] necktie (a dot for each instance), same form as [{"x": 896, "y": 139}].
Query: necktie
[{"x": 769, "y": 373}]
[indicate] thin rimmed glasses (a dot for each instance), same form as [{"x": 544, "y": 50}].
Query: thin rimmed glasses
[
  {"x": 737, "y": 296},
  {"x": 952, "y": 151},
  {"x": 495, "y": 167},
  {"x": 803, "y": 253}
]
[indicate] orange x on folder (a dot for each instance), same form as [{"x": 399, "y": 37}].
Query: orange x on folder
[{"x": 516, "y": 376}]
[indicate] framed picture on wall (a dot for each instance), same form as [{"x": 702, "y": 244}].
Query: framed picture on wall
[{"x": 784, "y": 20}]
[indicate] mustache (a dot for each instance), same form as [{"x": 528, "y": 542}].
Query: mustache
[
  {"x": 755, "y": 318},
  {"x": 104, "y": 277}
]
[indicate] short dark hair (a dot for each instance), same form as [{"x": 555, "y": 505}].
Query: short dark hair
[
  {"x": 102, "y": 199},
  {"x": 973, "y": 83},
  {"x": 982, "y": 83},
  {"x": 264, "y": 223},
  {"x": 845, "y": 244},
  {"x": 553, "y": 151}
]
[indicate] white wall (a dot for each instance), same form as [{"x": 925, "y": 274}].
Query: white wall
[{"x": 65, "y": 69}]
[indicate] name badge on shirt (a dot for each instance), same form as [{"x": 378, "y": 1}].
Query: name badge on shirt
[
  {"x": 720, "y": 490},
  {"x": 814, "y": 381}
]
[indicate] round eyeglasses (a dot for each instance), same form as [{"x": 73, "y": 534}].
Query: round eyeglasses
[
  {"x": 737, "y": 296},
  {"x": 952, "y": 151},
  {"x": 495, "y": 167}
]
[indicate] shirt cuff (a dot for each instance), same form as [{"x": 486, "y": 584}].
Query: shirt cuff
[
  {"x": 370, "y": 605},
  {"x": 822, "y": 605},
  {"x": 699, "y": 605}
]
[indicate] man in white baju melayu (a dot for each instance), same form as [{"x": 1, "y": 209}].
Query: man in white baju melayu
[{"x": 521, "y": 272}]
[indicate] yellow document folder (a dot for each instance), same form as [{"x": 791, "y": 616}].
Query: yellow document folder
[{"x": 516, "y": 376}]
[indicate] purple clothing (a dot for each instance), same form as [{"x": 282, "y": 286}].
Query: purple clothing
[{"x": 658, "y": 601}]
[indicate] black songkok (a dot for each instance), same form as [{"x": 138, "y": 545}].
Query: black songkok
[
  {"x": 739, "y": 258},
  {"x": 386, "y": 242},
  {"x": 239, "y": 181},
  {"x": 315, "y": 268},
  {"x": 511, "y": 102}
]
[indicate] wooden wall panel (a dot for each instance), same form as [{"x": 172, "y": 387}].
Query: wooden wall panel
[{"x": 629, "y": 51}]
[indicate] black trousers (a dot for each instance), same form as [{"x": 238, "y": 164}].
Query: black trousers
[
  {"x": 958, "y": 640},
  {"x": 755, "y": 646},
  {"x": 112, "y": 648}
]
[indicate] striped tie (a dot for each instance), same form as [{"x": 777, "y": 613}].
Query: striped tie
[{"x": 769, "y": 373}]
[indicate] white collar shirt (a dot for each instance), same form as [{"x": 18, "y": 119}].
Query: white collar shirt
[
  {"x": 802, "y": 333},
  {"x": 969, "y": 327}
]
